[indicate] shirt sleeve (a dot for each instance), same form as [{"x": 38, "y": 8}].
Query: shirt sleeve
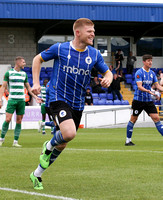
[
  {"x": 138, "y": 76},
  {"x": 50, "y": 53},
  {"x": 100, "y": 65},
  {"x": 6, "y": 76}
]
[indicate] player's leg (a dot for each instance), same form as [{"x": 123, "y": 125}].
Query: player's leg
[
  {"x": 152, "y": 112},
  {"x": 20, "y": 110},
  {"x": 11, "y": 106},
  {"x": 66, "y": 133},
  {"x": 158, "y": 124},
  {"x": 43, "y": 112},
  {"x": 68, "y": 123},
  {"x": 17, "y": 130},
  {"x": 137, "y": 108},
  {"x": 5, "y": 127}
]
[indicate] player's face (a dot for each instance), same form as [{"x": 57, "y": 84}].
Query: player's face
[
  {"x": 87, "y": 34},
  {"x": 148, "y": 63},
  {"x": 22, "y": 63}
]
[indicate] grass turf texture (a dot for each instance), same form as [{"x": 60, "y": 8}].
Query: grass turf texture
[{"x": 95, "y": 166}]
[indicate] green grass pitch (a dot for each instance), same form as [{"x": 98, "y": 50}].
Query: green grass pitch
[{"x": 95, "y": 166}]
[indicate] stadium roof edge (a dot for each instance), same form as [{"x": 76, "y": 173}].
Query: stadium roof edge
[
  {"x": 78, "y": 2},
  {"x": 73, "y": 9}
]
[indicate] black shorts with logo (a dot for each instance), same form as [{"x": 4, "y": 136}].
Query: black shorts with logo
[
  {"x": 61, "y": 111},
  {"x": 138, "y": 106}
]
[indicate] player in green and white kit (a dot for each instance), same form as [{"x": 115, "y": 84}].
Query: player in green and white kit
[
  {"x": 43, "y": 110},
  {"x": 16, "y": 79}
]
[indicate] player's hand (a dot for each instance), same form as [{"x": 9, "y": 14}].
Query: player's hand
[
  {"x": 150, "y": 92},
  {"x": 104, "y": 82},
  {"x": 36, "y": 89},
  {"x": 39, "y": 100}
]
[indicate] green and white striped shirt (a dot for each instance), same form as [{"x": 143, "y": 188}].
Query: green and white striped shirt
[
  {"x": 16, "y": 82},
  {"x": 43, "y": 93}
]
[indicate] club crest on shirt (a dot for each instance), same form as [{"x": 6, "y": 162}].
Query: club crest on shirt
[
  {"x": 62, "y": 113},
  {"x": 88, "y": 60},
  {"x": 151, "y": 75},
  {"x": 69, "y": 56}
]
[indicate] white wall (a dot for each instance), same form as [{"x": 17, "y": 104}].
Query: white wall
[
  {"x": 93, "y": 116},
  {"x": 3, "y": 69}
]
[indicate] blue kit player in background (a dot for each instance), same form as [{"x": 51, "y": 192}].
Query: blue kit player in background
[
  {"x": 47, "y": 108},
  {"x": 144, "y": 78},
  {"x": 73, "y": 62}
]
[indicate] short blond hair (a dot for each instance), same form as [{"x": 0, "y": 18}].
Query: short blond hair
[
  {"x": 81, "y": 22},
  {"x": 19, "y": 58}
]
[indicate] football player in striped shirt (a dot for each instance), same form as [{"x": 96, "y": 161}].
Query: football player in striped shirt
[
  {"x": 43, "y": 110},
  {"x": 16, "y": 79},
  {"x": 73, "y": 62},
  {"x": 144, "y": 78}
]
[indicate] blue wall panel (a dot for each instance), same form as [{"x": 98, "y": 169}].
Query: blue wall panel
[{"x": 71, "y": 10}]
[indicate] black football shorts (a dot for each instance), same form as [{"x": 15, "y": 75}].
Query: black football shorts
[
  {"x": 139, "y": 106},
  {"x": 61, "y": 111}
]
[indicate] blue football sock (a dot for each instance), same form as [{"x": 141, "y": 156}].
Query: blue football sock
[
  {"x": 54, "y": 155},
  {"x": 130, "y": 126},
  {"x": 51, "y": 123},
  {"x": 159, "y": 127},
  {"x": 57, "y": 139}
]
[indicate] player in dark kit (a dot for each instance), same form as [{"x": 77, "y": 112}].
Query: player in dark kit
[
  {"x": 142, "y": 98},
  {"x": 73, "y": 62}
]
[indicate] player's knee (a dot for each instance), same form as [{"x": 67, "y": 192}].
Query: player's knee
[
  {"x": 69, "y": 135},
  {"x": 8, "y": 120}
]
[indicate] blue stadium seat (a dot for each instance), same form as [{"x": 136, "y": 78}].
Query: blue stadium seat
[
  {"x": 125, "y": 102},
  {"x": 43, "y": 75},
  {"x": 124, "y": 70},
  {"x": 27, "y": 69},
  {"x": 103, "y": 96},
  {"x": 43, "y": 69},
  {"x": 110, "y": 96},
  {"x": 117, "y": 102},
  {"x": 29, "y": 75},
  {"x": 128, "y": 78},
  {"x": 30, "y": 80},
  {"x": 102, "y": 102},
  {"x": 49, "y": 69},
  {"x": 95, "y": 96},
  {"x": 109, "y": 102},
  {"x": 95, "y": 101},
  {"x": 41, "y": 82}
]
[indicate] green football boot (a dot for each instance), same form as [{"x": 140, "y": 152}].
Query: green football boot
[
  {"x": 44, "y": 158},
  {"x": 37, "y": 182}
]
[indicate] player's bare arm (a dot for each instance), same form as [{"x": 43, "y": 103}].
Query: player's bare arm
[
  {"x": 38, "y": 99},
  {"x": 161, "y": 81},
  {"x": 36, "y": 67},
  {"x": 2, "y": 89},
  {"x": 107, "y": 79},
  {"x": 158, "y": 86},
  {"x": 140, "y": 87}
]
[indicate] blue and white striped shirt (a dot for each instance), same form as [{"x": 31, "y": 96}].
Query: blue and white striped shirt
[
  {"x": 47, "y": 95},
  {"x": 71, "y": 72},
  {"x": 147, "y": 78}
]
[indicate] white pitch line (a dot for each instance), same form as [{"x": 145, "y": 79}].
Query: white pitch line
[
  {"x": 37, "y": 194},
  {"x": 114, "y": 150},
  {"x": 92, "y": 150}
]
